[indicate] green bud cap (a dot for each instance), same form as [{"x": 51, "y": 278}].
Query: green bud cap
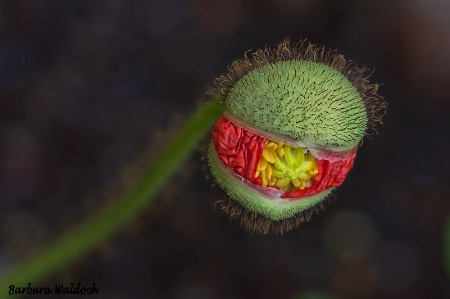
[
  {"x": 302, "y": 95},
  {"x": 303, "y": 100}
]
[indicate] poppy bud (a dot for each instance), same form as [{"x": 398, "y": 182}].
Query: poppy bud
[{"x": 294, "y": 118}]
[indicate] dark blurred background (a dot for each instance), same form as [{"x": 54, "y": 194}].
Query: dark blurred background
[{"x": 90, "y": 88}]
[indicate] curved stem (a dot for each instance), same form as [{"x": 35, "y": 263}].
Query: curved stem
[{"x": 77, "y": 242}]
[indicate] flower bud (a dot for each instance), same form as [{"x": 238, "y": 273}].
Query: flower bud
[{"x": 294, "y": 118}]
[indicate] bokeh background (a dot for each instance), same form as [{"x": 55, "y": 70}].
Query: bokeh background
[{"x": 90, "y": 91}]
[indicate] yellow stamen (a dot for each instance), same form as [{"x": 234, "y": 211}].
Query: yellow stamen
[
  {"x": 263, "y": 179},
  {"x": 262, "y": 164},
  {"x": 280, "y": 150},
  {"x": 271, "y": 146},
  {"x": 302, "y": 185},
  {"x": 268, "y": 155},
  {"x": 269, "y": 172}
]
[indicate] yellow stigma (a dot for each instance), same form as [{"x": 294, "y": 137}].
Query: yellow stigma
[{"x": 286, "y": 167}]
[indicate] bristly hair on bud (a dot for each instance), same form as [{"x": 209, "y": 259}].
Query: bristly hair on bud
[
  {"x": 359, "y": 77},
  {"x": 254, "y": 222}
]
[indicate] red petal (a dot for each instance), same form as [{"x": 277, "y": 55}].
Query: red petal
[{"x": 239, "y": 149}]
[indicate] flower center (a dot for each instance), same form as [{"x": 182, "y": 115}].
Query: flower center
[
  {"x": 286, "y": 168},
  {"x": 273, "y": 164}
]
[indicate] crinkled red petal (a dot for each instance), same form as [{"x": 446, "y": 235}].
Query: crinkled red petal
[{"x": 239, "y": 149}]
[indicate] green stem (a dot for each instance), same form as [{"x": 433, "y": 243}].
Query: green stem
[{"x": 75, "y": 243}]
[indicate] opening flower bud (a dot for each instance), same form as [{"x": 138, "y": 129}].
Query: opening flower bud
[{"x": 294, "y": 118}]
